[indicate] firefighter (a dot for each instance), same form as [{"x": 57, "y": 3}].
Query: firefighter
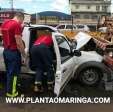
[
  {"x": 11, "y": 31},
  {"x": 42, "y": 57}
]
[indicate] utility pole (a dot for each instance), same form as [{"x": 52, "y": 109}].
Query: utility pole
[
  {"x": 11, "y": 7},
  {"x": 36, "y": 18},
  {"x": 71, "y": 13},
  {"x": 69, "y": 6}
]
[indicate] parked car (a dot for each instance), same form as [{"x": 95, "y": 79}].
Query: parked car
[
  {"x": 69, "y": 62},
  {"x": 92, "y": 27},
  {"x": 70, "y": 30},
  {"x": 77, "y": 27},
  {"x": 82, "y": 27},
  {"x": 102, "y": 29},
  {"x": 66, "y": 27}
]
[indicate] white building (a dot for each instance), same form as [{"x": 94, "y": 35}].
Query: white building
[{"x": 88, "y": 11}]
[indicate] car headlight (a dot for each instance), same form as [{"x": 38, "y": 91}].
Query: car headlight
[{"x": 110, "y": 54}]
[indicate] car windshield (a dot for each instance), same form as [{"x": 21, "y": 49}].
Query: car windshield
[
  {"x": 64, "y": 48},
  {"x": 61, "y": 27}
]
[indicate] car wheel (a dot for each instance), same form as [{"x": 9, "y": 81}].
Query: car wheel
[{"x": 90, "y": 76}]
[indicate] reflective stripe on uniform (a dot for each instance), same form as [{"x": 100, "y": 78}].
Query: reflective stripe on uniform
[
  {"x": 38, "y": 82},
  {"x": 52, "y": 82},
  {"x": 14, "y": 85},
  {"x": 14, "y": 93}
]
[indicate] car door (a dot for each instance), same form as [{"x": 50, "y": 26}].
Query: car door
[
  {"x": 69, "y": 27},
  {"x": 65, "y": 62}
]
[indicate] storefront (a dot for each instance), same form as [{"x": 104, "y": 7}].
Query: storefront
[
  {"x": 9, "y": 14},
  {"x": 5, "y": 15}
]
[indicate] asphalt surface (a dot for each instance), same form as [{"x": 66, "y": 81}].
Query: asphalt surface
[{"x": 74, "y": 89}]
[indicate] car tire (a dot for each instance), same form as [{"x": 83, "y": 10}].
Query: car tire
[
  {"x": 90, "y": 76},
  {"x": 95, "y": 71}
]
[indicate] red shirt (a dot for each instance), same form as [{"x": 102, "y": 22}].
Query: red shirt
[
  {"x": 46, "y": 39},
  {"x": 10, "y": 28}
]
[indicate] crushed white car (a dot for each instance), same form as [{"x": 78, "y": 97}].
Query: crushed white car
[{"x": 69, "y": 62}]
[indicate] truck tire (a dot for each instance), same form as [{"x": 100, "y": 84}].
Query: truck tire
[{"x": 91, "y": 73}]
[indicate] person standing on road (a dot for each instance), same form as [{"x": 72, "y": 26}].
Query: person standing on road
[
  {"x": 42, "y": 57},
  {"x": 11, "y": 31}
]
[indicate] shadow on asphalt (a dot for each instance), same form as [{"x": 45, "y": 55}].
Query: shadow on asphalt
[{"x": 74, "y": 88}]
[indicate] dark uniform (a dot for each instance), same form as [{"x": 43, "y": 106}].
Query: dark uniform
[{"x": 42, "y": 57}]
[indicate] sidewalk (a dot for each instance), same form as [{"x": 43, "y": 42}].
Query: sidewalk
[{"x": 57, "y": 108}]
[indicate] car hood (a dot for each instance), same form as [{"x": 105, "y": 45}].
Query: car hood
[{"x": 82, "y": 39}]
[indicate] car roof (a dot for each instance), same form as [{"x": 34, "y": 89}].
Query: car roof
[
  {"x": 45, "y": 26},
  {"x": 82, "y": 24},
  {"x": 65, "y": 24}
]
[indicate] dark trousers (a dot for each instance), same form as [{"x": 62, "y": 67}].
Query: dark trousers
[
  {"x": 42, "y": 57},
  {"x": 12, "y": 59}
]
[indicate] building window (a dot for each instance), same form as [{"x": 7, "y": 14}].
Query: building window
[
  {"x": 77, "y": 16},
  {"x": 77, "y": 6},
  {"x": 104, "y": 8},
  {"x": 88, "y": 7},
  {"x": 95, "y": 17},
  {"x": 97, "y": 8},
  {"x": 86, "y": 16}
]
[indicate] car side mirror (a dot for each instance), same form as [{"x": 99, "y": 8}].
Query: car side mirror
[{"x": 76, "y": 53}]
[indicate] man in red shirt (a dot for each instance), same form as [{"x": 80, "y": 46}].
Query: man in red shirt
[
  {"x": 11, "y": 31},
  {"x": 42, "y": 57}
]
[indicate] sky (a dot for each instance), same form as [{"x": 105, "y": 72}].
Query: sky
[{"x": 33, "y": 6}]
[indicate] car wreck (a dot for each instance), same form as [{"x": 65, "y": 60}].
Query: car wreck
[{"x": 73, "y": 59}]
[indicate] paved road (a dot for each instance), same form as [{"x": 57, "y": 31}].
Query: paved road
[{"x": 80, "y": 90}]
